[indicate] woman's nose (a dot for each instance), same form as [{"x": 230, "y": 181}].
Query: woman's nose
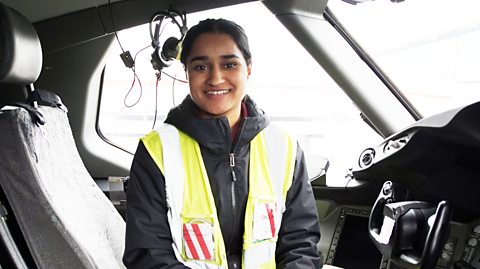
[{"x": 215, "y": 77}]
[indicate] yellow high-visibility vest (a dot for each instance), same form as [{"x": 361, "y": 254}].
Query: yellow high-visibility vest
[{"x": 192, "y": 215}]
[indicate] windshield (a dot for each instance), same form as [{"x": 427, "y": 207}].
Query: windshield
[
  {"x": 428, "y": 48},
  {"x": 286, "y": 82}
]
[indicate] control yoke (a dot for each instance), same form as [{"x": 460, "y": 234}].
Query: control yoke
[{"x": 410, "y": 233}]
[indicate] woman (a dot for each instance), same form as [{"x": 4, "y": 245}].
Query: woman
[{"x": 218, "y": 186}]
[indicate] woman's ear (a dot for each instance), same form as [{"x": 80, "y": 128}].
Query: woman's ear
[{"x": 249, "y": 70}]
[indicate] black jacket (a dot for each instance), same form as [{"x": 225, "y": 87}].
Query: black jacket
[{"x": 148, "y": 239}]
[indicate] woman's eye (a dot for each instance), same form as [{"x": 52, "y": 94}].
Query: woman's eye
[
  {"x": 200, "y": 67},
  {"x": 230, "y": 65}
]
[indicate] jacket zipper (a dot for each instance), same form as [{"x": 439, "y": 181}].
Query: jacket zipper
[
  {"x": 234, "y": 179},
  {"x": 232, "y": 165},
  {"x": 231, "y": 156}
]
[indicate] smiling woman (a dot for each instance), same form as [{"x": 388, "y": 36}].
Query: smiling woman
[{"x": 217, "y": 178}]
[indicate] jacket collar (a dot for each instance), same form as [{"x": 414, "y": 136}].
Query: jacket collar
[{"x": 215, "y": 133}]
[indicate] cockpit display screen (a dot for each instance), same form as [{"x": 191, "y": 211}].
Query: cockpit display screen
[{"x": 354, "y": 248}]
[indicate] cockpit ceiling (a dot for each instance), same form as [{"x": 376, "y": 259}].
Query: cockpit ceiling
[{"x": 48, "y": 9}]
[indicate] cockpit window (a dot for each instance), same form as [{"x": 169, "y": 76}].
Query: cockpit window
[
  {"x": 286, "y": 82},
  {"x": 428, "y": 48}
]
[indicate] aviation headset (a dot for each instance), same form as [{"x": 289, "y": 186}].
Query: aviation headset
[{"x": 164, "y": 55}]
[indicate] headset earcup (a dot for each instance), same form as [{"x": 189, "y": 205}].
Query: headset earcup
[
  {"x": 170, "y": 49},
  {"x": 157, "y": 62}
]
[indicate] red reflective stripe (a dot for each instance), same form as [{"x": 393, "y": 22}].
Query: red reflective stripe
[
  {"x": 201, "y": 241},
  {"x": 188, "y": 240},
  {"x": 270, "y": 218}
]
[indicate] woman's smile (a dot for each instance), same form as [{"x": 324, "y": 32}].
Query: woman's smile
[{"x": 217, "y": 92}]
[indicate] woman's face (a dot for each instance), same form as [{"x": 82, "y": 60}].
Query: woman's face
[{"x": 217, "y": 74}]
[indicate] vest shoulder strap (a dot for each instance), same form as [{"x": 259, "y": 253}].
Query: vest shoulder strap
[
  {"x": 172, "y": 162},
  {"x": 281, "y": 151},
  {"x": 164, "y": 147}
]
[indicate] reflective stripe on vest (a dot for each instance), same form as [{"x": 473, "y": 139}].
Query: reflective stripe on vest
[
  {"x": 272, "y": 163},
  {"x": 190, "y": 200}
]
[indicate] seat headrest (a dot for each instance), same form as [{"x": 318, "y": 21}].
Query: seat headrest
[{"x": 20, "y": 48}]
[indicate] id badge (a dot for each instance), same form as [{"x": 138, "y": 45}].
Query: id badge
[
  {"x": 264, "y": 223},
  {"x": 198, "y": 241}
]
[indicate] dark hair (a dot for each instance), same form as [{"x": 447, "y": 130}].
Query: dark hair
[{"x": 219, "y": 26}]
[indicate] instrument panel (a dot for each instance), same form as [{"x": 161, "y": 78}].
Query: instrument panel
[{"x": 349, "y": 245}]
